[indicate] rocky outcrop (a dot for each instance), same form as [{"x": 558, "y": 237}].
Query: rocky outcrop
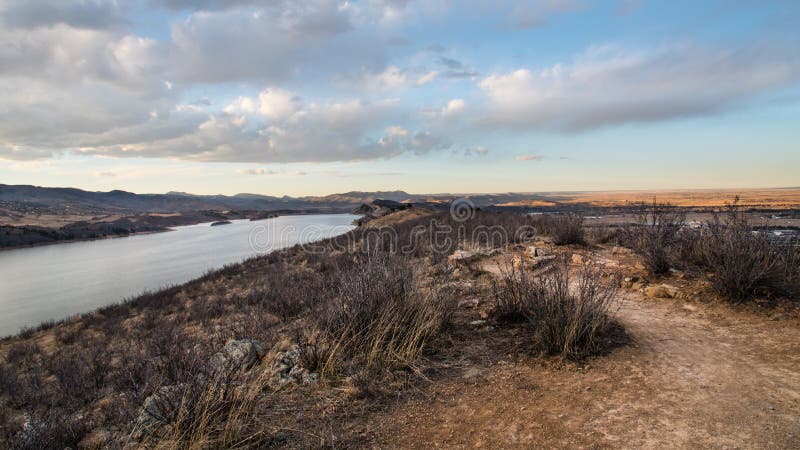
[
  {"x": 378, "y": 208},
  {"x": 237, "y": 355},
  {"x": 158, "y": 408},
  {"x": 286, "y": 369}
]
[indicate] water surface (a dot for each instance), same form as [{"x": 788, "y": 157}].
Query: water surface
[{"x": 57, "y": 281}]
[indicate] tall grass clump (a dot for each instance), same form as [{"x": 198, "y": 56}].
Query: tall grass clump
[
  {"x": 382, "y": 318},
  {"x": 655, "y": 235},
  {"x": 569, "y": 319}
]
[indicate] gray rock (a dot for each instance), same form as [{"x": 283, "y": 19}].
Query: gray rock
[
  {"x": 237, "y": 355},
  {"x": 158, "y": 408},
  {"x": 287, "y": 369}
]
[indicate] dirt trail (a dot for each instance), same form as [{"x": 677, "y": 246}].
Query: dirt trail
[{"x": 696, "y": 376}]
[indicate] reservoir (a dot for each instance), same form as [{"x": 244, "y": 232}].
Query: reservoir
[{"x": 53, "y": 282}]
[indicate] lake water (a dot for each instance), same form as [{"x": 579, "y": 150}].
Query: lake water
[{"x": 57, "y": 281}]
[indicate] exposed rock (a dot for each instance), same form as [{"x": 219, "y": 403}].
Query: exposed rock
[
  {"x": 468, "y": 303},
  {"x": 461, "y": 255},
  {"x": 286, "y": 369},
  {"x": 158, "y": 408},
  {"x": 534, "y": 251},
  {"x": 237, "y": 355},
  {"x": 542, "y": 260},
  {"x": 476, "y": 323},
  {"x": 662, "y": 291},
  {"x": 677, "y": 273},
  {"x": 378, "y": 208}
]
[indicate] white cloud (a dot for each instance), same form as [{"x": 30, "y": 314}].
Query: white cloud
[
  {"x": 528, "y": 158},
  {"x": 391, "y": 78},
  {"x": 450, "y": 111},
  {"x": 276, "y": 104},
  {"x": 454, "y": 106},
  {"x": 608, "y": 85},
  {"x": 256, "y": 171},
  {"x": 242, "y": 105},
  {"x": 427, "y": 78},
  {"x": 306, "y": 132}
]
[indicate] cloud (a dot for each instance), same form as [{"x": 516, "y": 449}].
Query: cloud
[
  {"x": 391, "y": 78},
  {"x": 476, "y": 151},
  {"x": 427, "y": 78},
  {"x": 534, "y": 14},
  {"x": 528, "y": 158},
  {"x": 349, "y": 130},
  {"x": 257, "y": 171},
  {"x": 609, "y": 85},
  {"x": 278, "y": 41},
  {"x": 94, "y": 14},
  {"x": 451, "y": 110},
  {"x": 105, "y": 174}
]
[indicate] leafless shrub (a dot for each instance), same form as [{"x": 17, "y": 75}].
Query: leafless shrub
[
  {"x": 655, "y": 234},
  {"x": 566, "y": 229},
  {"x": 80, "y": 371},
  {"x": 745, "y": 262},
  {"x": 50, "y": 431},
  {"x": 602, "y": 234},
  {"x": 570, "y": 322},
  {"x": 23, "y": 353}
]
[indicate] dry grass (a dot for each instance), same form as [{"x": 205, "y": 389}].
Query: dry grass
[
  {"x": 572, "y": 320},
  {"x": 382, "y": 318}
]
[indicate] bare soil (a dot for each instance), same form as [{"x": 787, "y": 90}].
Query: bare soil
[{"x": 696, "y": 375}]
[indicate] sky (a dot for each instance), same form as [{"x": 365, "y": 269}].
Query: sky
[{"x": 315, "y": 97}]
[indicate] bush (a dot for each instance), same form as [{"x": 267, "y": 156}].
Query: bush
[
  {"x": 655, "y": 235},
  {"x": 565, "y": 229},
  {"x": 572, "y": 324},
  {"x": 746, "y": 262},
  {"x": 603, "y": 234}
]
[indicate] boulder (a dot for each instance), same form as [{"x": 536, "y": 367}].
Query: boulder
[
  {"x": 158, "y": 408},
  {"x": 662, "y": 291},
  {"x": 461, "y": 256},
  {"x": 286, "y": 369},
  {"x": 237, "y": 355},
  {"x": 534, "y": 251}
]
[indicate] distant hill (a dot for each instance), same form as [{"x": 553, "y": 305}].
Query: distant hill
[
  {"x": 25, "y": 199},
  {"x": 75, "y": 201}
]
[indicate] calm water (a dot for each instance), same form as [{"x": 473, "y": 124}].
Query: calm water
[{"x": 56, "y": 281}]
